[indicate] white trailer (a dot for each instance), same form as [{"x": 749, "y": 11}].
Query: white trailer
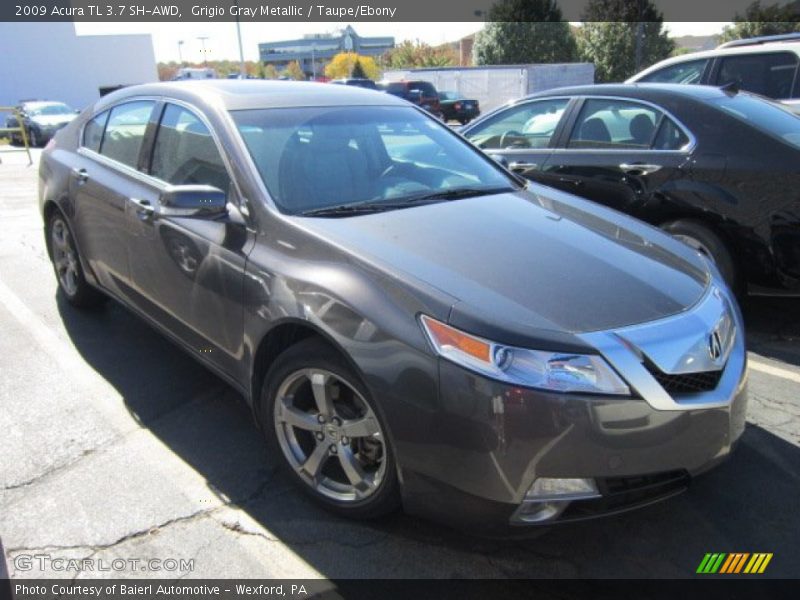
[{"x": 493, "y": 86}]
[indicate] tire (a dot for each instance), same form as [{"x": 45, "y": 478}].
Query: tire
[
  {"x": 33, "y": 138},
  {"x": 67, "y": 265},
  {"x": 312, "y": 403},
  {"x": 704, "y": 240}
]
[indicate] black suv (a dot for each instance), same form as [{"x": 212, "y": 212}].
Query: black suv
[{"x": 421, "y": 93}]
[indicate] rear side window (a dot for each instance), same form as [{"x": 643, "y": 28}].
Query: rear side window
[
  {"x": 185, "y": 153},
  {"x": 125, "y": 131},
  {"x": 93, "y": 132},
  {"x": 690, "y": 71},
  {"x": 770, "y": 75},
  {"x": 770, "y": 117},
  {"x": 623, "y": 124}
]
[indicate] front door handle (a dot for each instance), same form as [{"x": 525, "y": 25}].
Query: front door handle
[
  {"x": 144, "y": 209},
  {"x": 523, "y": 167},
  {"x": 80, "y": 174},
  {"x": 639, "y": 168}
]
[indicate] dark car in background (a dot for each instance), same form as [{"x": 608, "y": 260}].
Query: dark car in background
[
  {"x": 410, "y": 322},
  {"x": 421, "y": 93},
  {"x": 455, "y": 107},
  {"x": 715, "y": 168},
  {"x": 41, "y": 120},
  {"x": 362, "y": 82}
]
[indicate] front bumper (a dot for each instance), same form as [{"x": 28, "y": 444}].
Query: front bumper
[{"x": 495, "y": 440}]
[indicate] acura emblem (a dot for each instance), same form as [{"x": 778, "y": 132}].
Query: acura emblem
[{"x": 714, "y": 345}]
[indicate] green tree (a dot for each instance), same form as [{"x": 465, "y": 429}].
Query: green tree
[
  {"x": 608, "y": 38},
  {"x": 295, "y": 71},
  {"x": 761, "y": 20},
  {"x": 410, "y": 55},
  {"x": 524, "y": 31},
  {"x": 268, "y": 71},
  {"x": 358, "y": 71}
]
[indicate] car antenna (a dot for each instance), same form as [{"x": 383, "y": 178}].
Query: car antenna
[{"x": 732, "y": 88}]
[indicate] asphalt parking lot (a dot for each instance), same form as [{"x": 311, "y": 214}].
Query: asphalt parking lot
[{"x": 117, "y": 445}]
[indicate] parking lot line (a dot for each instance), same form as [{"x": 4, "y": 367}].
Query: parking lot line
[{"x": 774, "y": 371}]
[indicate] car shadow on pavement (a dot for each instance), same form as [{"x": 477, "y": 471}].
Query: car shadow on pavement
[
  {"x": 746, "y": 505},
  {"x": 773, "y": 327}
]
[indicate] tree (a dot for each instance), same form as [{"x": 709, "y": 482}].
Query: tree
[
  {"x": 761, "y": 20},
  {"x": 268, "y": 71},
  {"x": 608, "y": 38},
  {"x": 358, "y": 71},
  {"x": 413, "y": 55},
  {"x": 524, "y": 31},
  {"x": 295, "y": 71},
  {"x": 342, "y": 65}
]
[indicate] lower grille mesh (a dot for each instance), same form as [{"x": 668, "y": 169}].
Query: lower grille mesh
[{"x": 685, "y": 383}]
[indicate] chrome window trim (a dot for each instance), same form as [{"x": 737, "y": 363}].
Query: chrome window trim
[
  {"x": 688, "y": 149},
  {"x": 626, "y": 357}
]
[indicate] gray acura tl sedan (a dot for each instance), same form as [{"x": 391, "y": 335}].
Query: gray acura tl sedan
[{"x": 411, "y": 324}]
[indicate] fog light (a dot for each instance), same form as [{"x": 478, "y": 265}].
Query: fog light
[
  {"x": 550, "y": 488},
  {"x": 536, "y": 512}
]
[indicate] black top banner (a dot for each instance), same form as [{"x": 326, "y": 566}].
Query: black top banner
[{"x": 352, "y": 11}]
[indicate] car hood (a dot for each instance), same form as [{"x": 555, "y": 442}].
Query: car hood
[
  {"x": 528, "y": 261},
  {"x": 50, "y": 120}
]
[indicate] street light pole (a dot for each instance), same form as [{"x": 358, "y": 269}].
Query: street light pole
[
  {"x": 313, "y": 62},
  {"x": 180, "y": 54},
  {"x": 203, "y": 39},
  {"x": 242, "y": 70}
]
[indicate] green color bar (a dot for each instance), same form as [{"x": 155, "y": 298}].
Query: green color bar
[
  {"x": 717, "y": 564},
  {"x": 701, "y": 568}
]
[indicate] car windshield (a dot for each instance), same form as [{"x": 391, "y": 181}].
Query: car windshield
[
  {"x": 51, "y": 110},
  {"x": 385, "y": 156},
  {"x": 770, "y": 117}
]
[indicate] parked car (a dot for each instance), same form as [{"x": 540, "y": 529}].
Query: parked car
[
  {"x": 455, "y": 107},
  {"x": 716, "y": 168},
  {"x": 356, "y": 81},
  {"x": 409, "y": 321},
  {"x": 764, "y": 65},
  {"x": 421, "y": 93},
  {"x": 41, "y": 120}
]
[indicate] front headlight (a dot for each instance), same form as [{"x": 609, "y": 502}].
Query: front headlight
[{"x": 554, "y": 371}]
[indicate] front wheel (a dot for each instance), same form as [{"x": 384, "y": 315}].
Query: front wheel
[
  {"x": 319, "y": 416},
  {"x": 67, "y": 265},
  {"x": 705, "y": 241}
]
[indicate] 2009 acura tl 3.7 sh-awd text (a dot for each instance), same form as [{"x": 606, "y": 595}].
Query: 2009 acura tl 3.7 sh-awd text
[{"x": 410, "y": 322}]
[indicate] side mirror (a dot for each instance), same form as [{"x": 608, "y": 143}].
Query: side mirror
[{"x": 200, "y": 201}]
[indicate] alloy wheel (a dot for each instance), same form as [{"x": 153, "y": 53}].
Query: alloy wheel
[
  {"x": 330, "y": 435},
  {"x": 64, "y": 256}
]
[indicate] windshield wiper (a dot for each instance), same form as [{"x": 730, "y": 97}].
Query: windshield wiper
[
  {"x": 351, "y": 209},
  {"x": 456, "y": 193}
]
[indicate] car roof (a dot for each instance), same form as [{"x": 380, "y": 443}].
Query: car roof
[
  {"x": 761, "y": 48},
  {"x": 641, "y": 91},
  {"x": 41, "y": 103},
  {"x": 242, "y": 94}
]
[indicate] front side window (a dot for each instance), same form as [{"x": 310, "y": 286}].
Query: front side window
[
  {"x": 185, "y": 153},
  {"x": 320, "y": 157},
  {"x": 124, "y": 131},
  {"x": 529, "y": 125},
  {"x": 93, "y": 132},
  {"x": 770, "y": 75},
  {"x": 690, "y": 71},
  {"x": 615, "y": 124}
]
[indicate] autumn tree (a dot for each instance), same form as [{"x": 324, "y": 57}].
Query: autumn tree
[
  {"x": 414, "y": 55},
  {"x": 761, "y": 20},
  {"x": 343, "y": 64},
  {"x": 524, "y": 31},
  {"x": 294, "y": 71}
]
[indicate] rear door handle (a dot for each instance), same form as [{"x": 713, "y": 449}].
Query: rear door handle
[
  {"x": 144, "y": 210},
  {"x": 80, "y": 174},
  {"x": 523, "y": 167},
  {"x": 639, "y": 168}
]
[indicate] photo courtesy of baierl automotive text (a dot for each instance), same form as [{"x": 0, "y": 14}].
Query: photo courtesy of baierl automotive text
[{"x": 481, "y": 300}]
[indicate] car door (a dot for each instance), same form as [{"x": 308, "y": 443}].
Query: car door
[
  {"x": 618, "y": 152},
  {"x": 520, "y": 136},
  {"x": 188, "y": 272},
  {"x": 103, "y": 179}
]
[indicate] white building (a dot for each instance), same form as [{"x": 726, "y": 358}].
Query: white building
[{"x": 48, "y": 61}]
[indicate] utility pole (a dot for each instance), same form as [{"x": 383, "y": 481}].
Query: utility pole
[
  {"x": 180, "y": 54},
  {"x": 242, "y": 69},
  {"x": 203, "y": 39}
]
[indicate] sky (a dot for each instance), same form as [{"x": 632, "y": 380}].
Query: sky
[{"x": 221, "y": 43}]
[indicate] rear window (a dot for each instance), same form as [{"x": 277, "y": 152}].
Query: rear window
[
  {"x": 423, "y": 87},
  {"x": 768, "y": 117}
]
